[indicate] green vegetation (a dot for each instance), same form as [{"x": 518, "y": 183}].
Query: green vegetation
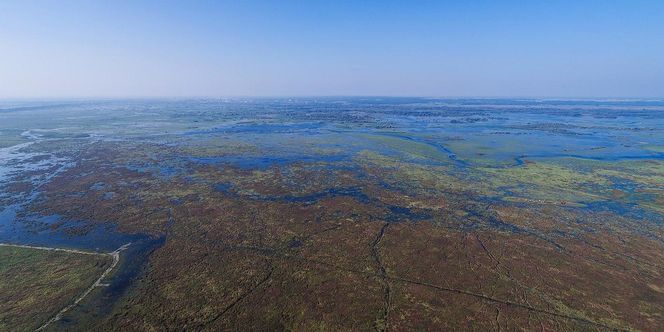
[
  {"x": 547, "y": 181},
  {"x": 412, "y": 149},
  {"x": 655, "y": 148},
  {"x": 36, "y": 284}
]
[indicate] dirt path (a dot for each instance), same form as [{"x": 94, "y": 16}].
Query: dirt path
[
  {"x": 115, "y": 255},
  {"x": 74, "y": 251}
]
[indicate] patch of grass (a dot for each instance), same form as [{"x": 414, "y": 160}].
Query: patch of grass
[
  {"x": 36, "y": 284},
  {"x": 548, "y": 181},
  {"x": 655, "y": 148},
  {"x": 410, "y": 148}
]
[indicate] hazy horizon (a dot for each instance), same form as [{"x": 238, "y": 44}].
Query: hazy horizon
[
  {"x": 202, "y": 97},
  {"x": 98, "y": 50}
]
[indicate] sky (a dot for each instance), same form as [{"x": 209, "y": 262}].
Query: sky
[{"x": 576, "y": 49}]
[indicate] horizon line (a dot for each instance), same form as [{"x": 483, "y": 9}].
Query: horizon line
[{"x": 159, "y": 97}]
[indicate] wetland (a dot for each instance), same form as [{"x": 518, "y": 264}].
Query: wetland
[{"x": 330, "y": 213}]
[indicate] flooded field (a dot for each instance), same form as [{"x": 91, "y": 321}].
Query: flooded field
[{"x": 346, "y": 213}]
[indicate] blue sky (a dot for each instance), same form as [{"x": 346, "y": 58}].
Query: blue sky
[{"x": 303, "y": 48}]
